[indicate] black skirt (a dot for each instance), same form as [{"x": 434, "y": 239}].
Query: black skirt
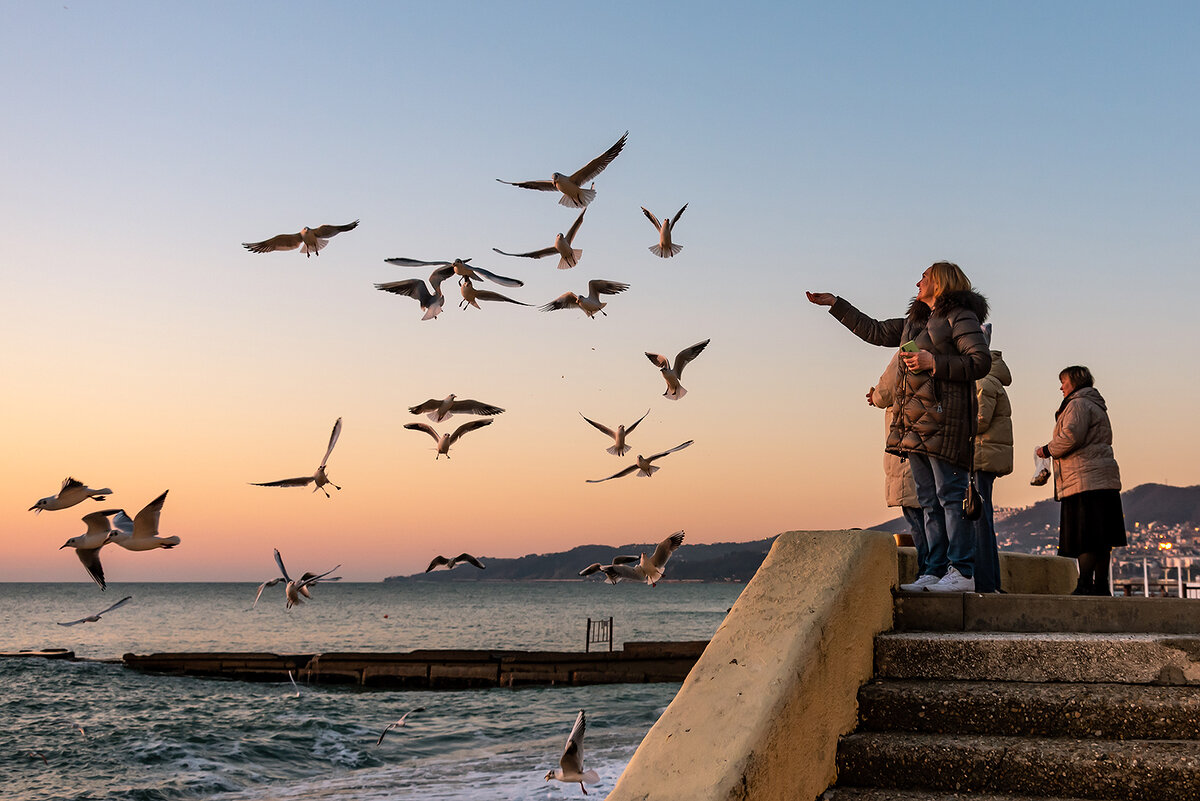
[{"x": 1091, "y": 521}]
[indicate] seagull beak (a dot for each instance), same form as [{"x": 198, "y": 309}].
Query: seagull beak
[
  {"x": 34, "y": 509},
  {"x": 64, "y": 545}
]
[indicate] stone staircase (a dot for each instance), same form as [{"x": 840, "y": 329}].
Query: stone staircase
[{"x": 1016, "y": 697}]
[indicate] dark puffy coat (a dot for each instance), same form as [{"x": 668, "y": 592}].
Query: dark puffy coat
[{"x": 933, "y": 414}]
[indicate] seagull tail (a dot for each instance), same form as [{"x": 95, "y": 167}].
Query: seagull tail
[
  {"x": 586, "y": 196},
  {"x": 565, "y": 264},
  {"x": 674, "y": 393},
  {"x": 621, "y": 451},
  {"x": 657, "y": 250},
  {"x": 432, "y": 312},
  {"x": 321, "y": 243},
  {"x": 591, "y": 777},
  {"x": 170, "y": 542},
  {"x": 101, "y": 493},
  {"x": 646, "y": 474}
]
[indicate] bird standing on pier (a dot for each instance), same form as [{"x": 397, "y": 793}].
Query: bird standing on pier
[
  {"x": 571, "y": 186},
  {"x": 313, "y": 239},
  {"x": 71, "y": 493},
  {"x": 571, "y": 763},
  {"x": 319, "y": 477}
]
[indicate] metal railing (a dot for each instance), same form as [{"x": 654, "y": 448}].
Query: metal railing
[{"x": 600, "y": 632}]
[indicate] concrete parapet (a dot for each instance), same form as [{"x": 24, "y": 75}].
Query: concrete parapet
[{"x": 760, "y": 713}]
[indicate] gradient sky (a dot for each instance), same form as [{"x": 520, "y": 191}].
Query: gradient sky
[{"x": 1048, "y": 148}]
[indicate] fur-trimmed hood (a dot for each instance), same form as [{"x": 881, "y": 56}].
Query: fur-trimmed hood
[{"x": 947, "y": 302}]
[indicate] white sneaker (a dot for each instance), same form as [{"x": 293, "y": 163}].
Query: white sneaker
[
  {"x": 953, "y": 581},
  {"x": 920, "y": 584}
]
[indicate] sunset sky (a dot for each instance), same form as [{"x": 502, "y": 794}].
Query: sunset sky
[{"x": 1048, "y": 149}]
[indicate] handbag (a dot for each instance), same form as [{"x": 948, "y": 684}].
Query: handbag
[{"x": 972, "y": 503}]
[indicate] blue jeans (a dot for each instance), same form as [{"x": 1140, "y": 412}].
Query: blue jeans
[
  {"x": 987, "y": 553},
  {"x": 941, "y": 488},
  {"x": 916, "y": 524}
]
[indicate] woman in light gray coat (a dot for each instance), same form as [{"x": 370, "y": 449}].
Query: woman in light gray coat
[{"x": 1087, "y": 481}]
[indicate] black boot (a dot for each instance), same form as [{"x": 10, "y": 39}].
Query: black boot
[{"x": 1083, "y": 587}]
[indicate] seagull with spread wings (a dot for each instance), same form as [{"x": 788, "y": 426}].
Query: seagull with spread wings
[
  {"x": 428, "y": 295},
  {"x": 454, "y": 561},
  {"x": 319, "y": 477},
  {"x": 571, "y": 186},
  {"x": 143, "y": 534},
  {"x": 673, "y": 373},
  {"x": 619, "y": 448},
  {"x": 461, "y": 268},
  {"x": 571, "y": 762},
  {"x": 665, "y": 247},
  {"x": 568, "y": 256},
  {"x": 471, "y": 296},
  {"x": 71, "y": 493},
  {"x": 447, "y": 407},
  {"x": 398, "y": 724},
  {"x": 312, "y": 239},
  {"x": 444, "y": 441},
  {"x": 293, "y": 590},
  {"x": 96, "y": 617},
  {"x": 590, "y": 303},
  {"x": 644, "y": 465},
  {"x": 648, "y": 570},
  {"x": 88, "y": 544}
]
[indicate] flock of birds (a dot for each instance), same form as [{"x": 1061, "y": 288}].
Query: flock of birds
[{"x": 577, "y": 190}]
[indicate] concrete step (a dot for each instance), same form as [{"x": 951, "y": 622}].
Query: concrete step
[
  {"x": 1108, "y": 711},
  {"x": 936, "y": 611},
  {"x": 875, "y": 794},
  {"x": 1054, "y": 657},
  {"x": 1128, "y": 770}
]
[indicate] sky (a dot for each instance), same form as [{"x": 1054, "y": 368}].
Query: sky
[{"x": 1047, "y": 148}]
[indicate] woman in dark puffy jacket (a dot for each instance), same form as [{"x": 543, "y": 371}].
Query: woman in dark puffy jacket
[
  {"x": 933, "y": 416},
  {"x": 1087, "y": 481}
]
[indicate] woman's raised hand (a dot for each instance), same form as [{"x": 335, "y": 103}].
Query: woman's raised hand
[{"x": 821, "y": 298}]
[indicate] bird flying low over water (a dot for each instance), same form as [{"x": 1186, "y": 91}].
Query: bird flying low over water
[
  {"x": 568, "y": 256},
  {"x": 455, "y": 561},
  {"x": 665, "y": 247},
  {"x": 96, "y": 617},
  {"x": 398, "y": 724},
  {"x": 590, "y": 303},
  {"x": 293, "y": 590},
  {"x": 88, "y": 544},
  {"x": 673, "y": 373},
  {"x": 71, "y": 493},
  {"x": 459, "y": 267},
  {"x": 619, "y": 448},
  {"x": 643, "y": 465},
  {"x": 571, "y": 186},
  {"x": 447, "y": 407},
  {"x": 312, "y": 239},
  {"x": 319, "y": 477},
  {"x": 571, "y": 763},
  {"x": 143, "y": 534},
  {"x": 471, "y": 295},
  {"x": 648, "y": 570},
  {"x": 444, "y": 441}
]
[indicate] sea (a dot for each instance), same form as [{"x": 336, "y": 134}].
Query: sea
[{"x": 92, "y": 729}]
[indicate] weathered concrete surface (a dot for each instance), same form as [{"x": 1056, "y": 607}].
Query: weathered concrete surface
[
  {"x": 869, "y": 794},
  {"x": 930, "y": 611},
  {"x": 1132, "y": 770},
  {"x": 1110, "y": 711},
  {"x": 760, "y": 713},
  {"x": 1001, "y": 656},
  {"x": 1020, "y": 573}
]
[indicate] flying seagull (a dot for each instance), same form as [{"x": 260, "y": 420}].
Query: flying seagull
[
  {"x": 619, "y": 448},
  {"x": 87, "y": 545},
  {"x": 294, "y": 589},
  {"x": 461, "y": 268},
  {"x": 318, "y": 477},
  {"x": 590, "y": 303},
  {"x": 399, "y": 723},
  {"x": 673, "y": 373},
  {"x": 665, "y": 247},
  {"x": 312, "y": 239},
  {"x": 571, "y": 186},
  {"x": 471, "y": 295},
  {"x": 143, "y": 534},
  {"x": 571, "y": 762},
  {"x": 428, "y": 295},
  {"x": 568, "y": 256},
  {"x": 447, "y": 407},
  {"x": 453, "y": 562},
  {"x": 648, "y": 570},
  {"x": 444, "y": 441},
  {"x": 643, "y": 465},
  {"x": 72, "y": 492},
  {"x": 94, "y": 618}
]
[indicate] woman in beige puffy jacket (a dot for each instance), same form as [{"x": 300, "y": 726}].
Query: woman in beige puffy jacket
[
  {"x": 1087, "y": 481},
  {"x": 899, "y": 489},
  {"x": 993, "y": 458}
]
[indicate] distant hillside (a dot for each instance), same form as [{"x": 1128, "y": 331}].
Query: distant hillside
[{"x": 725, "y": 561}]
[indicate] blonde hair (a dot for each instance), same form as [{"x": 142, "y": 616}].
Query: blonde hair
[{"x": 946, "y": 276}]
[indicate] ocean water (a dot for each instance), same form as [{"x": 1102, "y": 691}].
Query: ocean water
[{"x": 165, "y": 737}]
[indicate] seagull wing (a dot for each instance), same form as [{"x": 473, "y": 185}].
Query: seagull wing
[
  {"x": 650, "y": 216},
  {"x": 263, "y": 586},
  {"x": 484, "y": 294},
  {"x": 122, "y": 522},
  {"x": 402, "y": 262},
  {"x": 629, "y": 429},
  {"x": 572, "y": 757},
  {"x": 431, "y": 405},
  {"x": 383, "y": 734},
  {"x": 678, "y": 215},
  {"x": 672, "y": 450},
  {"x": 97, "y": 522},
  {"x": 302, "y": 481},
  {"x": 438, "y": 561},
  {"x": 282, "y": 569},
  {"x": 469, "y": 406},
  {"x": 665, "y": 548},
  {"x": 90, "y": 558},
  {"x": 602, "y": 428},
  {"x": 278, "y": 242},
  {"x": 687, "y": 354},
  {"x": 597, "y": 165},
  {"x": 624, "y": 560},
  {"x": 326, "y": 231},
  {"x": 497, "y": 279},
  {"x": 543, "y": 186},
  {"x": 69, "y": 483},
  {"x": 410, "y": 287},
  {"x": 574, "y": 229},
  {"x": 308, "y": 579},
  {"x": 533, "y": 254},
  {"x": 471, "y": 560},
  {"x": 428, "y": 429},
  {"x": 599, "y": 286},
  {"x": 566, "y": 300},
  {"x": 658, "y": 360},
  {"x": 470, "y": 426},
  {"x": 146, "y": 522},
  {"x": 117, "y": 605},
  {"x": 333, "y": 438},
  {"x": 624, "y": 472}
]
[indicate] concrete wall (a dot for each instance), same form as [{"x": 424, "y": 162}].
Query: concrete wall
[
  {"x": 760, "y": 713},
  {"x": 1020, "y": 573}
]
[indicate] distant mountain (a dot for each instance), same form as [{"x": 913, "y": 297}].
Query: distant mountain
[{"x": 724, "y": 561}]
